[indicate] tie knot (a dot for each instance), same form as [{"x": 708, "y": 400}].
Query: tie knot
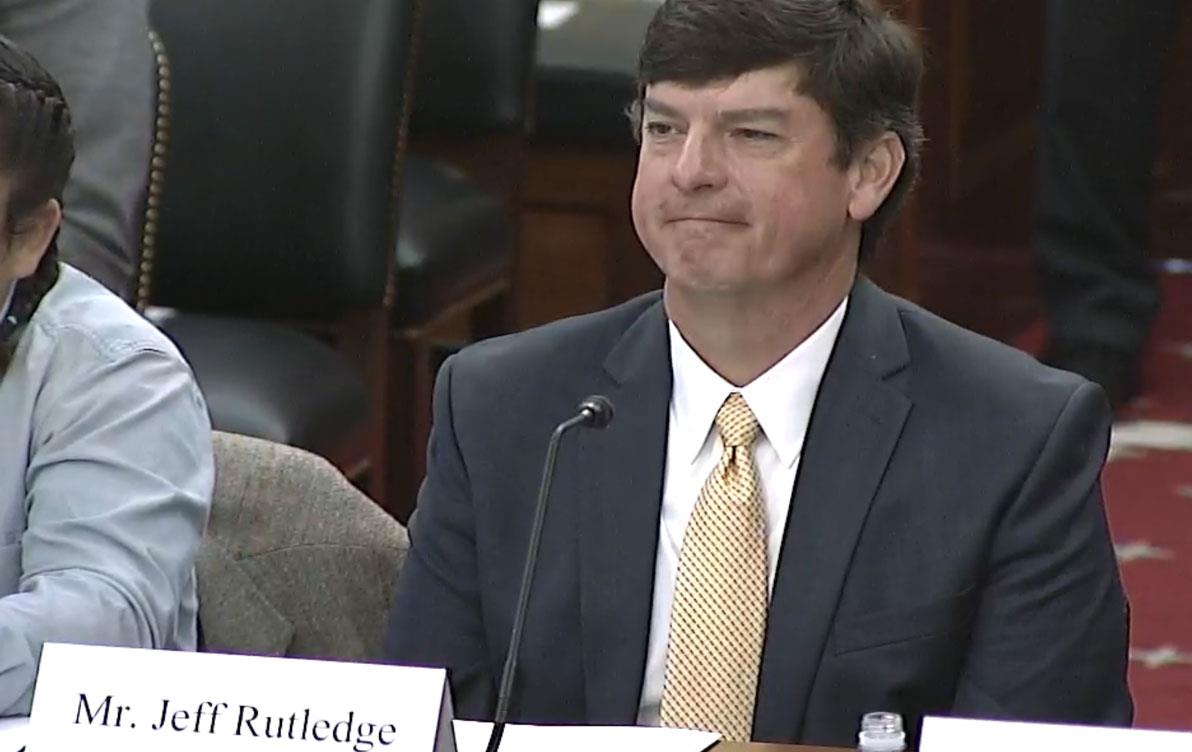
[{"x": 737, "y": 425}]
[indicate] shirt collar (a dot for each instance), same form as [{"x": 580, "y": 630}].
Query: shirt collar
[
  {"x": 698, "y": 392},
  {"x": 781, "y": 398}
]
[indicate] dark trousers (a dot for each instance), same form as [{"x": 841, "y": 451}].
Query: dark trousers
[{"x": 1101, "y": 79}]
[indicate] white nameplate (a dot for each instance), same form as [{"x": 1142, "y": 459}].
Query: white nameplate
[
  {"x": 96, "y": 698},
  {"x": 951, "y": 734}
]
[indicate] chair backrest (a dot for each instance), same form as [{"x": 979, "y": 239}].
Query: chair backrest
[
  {"x": 475, "y": 62},
  {"x": 296, "y": 561},
  {"x": 285, "y": 121}
]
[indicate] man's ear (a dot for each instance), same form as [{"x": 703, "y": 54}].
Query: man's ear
[
  {"x": 30, "y": 237},
  {"x": 874, "y": 172}
]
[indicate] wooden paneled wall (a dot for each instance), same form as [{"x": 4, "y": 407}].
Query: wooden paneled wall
[
  {"x": 970, "y": 255},
  {"x": 579, "y": 250}
]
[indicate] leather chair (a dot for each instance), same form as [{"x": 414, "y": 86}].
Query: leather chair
[
  {"x": 271, "y": 237},
  {"x": 296, "y": 561},
  {"x": 586, "y": 73},
  {"x": 457, "y": 239}
]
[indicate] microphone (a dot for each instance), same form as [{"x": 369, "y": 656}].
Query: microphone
[
  {"x": 594, "y": 412},
  {"x": 597, "y": 411}
]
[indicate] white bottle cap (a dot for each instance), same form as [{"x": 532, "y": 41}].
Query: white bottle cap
[{"x": 881, "y": 732}]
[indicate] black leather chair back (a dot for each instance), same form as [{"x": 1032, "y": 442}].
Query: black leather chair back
[
  {"x": 474, "y": 66},
  {"x": 285, "y": 119}
]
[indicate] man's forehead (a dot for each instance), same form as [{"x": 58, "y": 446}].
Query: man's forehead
[{"x": 773, "y": 87}]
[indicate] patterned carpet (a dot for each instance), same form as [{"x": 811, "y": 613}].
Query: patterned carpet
[
  {"x": 1148, "y": 486},
  {"x": 1148, "y": 492}
]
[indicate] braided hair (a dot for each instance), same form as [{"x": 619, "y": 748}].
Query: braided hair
[{"x": 36, "y": 152}]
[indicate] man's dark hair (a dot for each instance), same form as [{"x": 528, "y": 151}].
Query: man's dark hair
[
  {"x": 858, "y": 63},
  {"x": 36, "y": 152}
]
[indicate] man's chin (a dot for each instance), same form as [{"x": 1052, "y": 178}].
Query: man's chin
[{"x": 707, "y": 285}]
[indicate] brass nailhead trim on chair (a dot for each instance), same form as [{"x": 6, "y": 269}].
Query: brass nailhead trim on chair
[
  {"x": 161, "y": 136},
  {"x": 399, "y": 154}
]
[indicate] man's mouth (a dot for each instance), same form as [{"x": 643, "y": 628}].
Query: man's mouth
[{"x": 703, "y": 218}]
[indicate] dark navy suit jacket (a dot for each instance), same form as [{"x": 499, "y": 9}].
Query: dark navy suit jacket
[{"x": 946, "y": 550}]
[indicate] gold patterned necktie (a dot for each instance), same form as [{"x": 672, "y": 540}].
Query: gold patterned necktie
[{"x": 718, "y": 619}]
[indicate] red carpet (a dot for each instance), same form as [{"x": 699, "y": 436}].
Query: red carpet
[{"x": 1148, "y": 491}]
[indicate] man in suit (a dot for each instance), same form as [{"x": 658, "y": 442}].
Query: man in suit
[{"x": 816, "y": 500}]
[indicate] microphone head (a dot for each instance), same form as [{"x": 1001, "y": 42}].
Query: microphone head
[{"x": 598, "y": 410}]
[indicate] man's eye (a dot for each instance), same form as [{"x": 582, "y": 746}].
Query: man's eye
[
  {"x": 660, "y": 129},
  {"x": 752, "y": 134}
]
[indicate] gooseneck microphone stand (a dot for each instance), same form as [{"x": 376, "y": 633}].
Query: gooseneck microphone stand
[{"x": 595, "y": 412}]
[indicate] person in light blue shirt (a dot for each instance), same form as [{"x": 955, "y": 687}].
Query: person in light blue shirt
[{"x": 106, "y": 466}]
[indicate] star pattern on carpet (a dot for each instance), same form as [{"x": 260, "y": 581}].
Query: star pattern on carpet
[
  {"x": 1125, "y": 453},
  {"x": 1153, "y": 435},
  {"x": 1148, "y": 499},
  {"x": 1131, "y": 437},
  {"x": 1140, "y": 551},
  {"x": 1164, "y": 656},
  {"x": 1182, "y": 349}
]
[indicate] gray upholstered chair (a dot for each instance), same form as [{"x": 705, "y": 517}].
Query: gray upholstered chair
[{"x": 296, "y": 560}]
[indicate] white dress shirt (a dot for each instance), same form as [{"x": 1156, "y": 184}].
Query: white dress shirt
[{"x": 781, "y": 399}]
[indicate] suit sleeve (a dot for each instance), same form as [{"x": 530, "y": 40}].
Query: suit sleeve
[
  {"x": 1051, "y": 635},
  {"x": 436, "y": 617}
]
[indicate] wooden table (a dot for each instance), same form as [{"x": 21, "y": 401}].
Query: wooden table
[{"x": 738, "y": 747}]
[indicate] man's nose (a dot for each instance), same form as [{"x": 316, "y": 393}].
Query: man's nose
[{"x": 700, "y": 165}]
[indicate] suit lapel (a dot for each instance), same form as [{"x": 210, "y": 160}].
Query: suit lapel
[
  {"x": 854, "y": 428},
  {"x": 620, "y": 506}
]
